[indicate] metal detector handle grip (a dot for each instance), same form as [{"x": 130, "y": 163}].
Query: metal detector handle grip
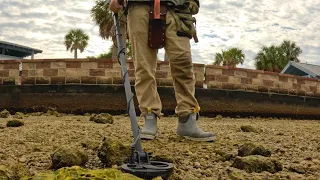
[{"x": 121, "y": 2}]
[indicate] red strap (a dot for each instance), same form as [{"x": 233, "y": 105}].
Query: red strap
[{"x": 156, "y": 9}]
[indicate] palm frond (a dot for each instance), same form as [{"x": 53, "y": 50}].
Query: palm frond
[{"x": 102, "y": 16}]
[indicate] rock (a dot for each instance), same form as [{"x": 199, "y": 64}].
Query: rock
[
  {"x": 224, "y": 156},
  {"x": 157, "y": 178},
  {"x": 113, "y": 152},
  {"x": 2, "y": 126},
  {"x": 280, "y": 150},
  {"x": 235, "y": 174},
  {"x": 22, "y": 159},
  {"x": 36, "y": 149},
  {"x": 228, "y": 156},
  {"x": 77, "y": 172},
  {"x": 56, "y": 113},
  {"x": 257, "y": 164},
  {"x": 103, "y": 118},
  {"x": 296, "y": 176},
  {"x": 280, "y": 134},
  {"x": 189, "y": 153},
  {"x": 308, "y": 158},
  {"x": 36, "y": 114},
  {"x": 48, "y": 113},
  {"x": 67, "y": 157},
  {"x": 53, "y": 112},
  {"x": 5, "y": 173},
  {"x": 175, "y": 176},
  {"x": 91, "y": 144},
  {"x": 18, "y": 115},
  {"x": 15, "y": 123},
  {"x": 248, "y": 149},
  {"x": 4, "y": 114},
  {"x": 298, "y": 169},
  {"x": 249, "y": 128},
  {"x": 12, "y": 170},
  {"x": 311, "y": 177},
  {"x": 219, "y": 152},
  {"x": 163, "y": 158},
  {"x": 196, "y": 165}
]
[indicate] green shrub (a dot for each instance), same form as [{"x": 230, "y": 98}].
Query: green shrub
[{"x": 14, "y": 123}]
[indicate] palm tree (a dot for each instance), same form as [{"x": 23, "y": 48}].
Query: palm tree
[
  {"x": 271, "y": 59},
  {"x": 231, "y": 57},
  {"x": 291, "y": 50},
  {"x": 275, "y": 58},
  {"x": 220, "y": 58},
  {"x": 76, "y": 39},
  {"x": 104, "y": 19}
]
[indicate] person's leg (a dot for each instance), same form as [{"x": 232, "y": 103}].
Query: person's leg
[
  {"x": 145, "y": 60},
  {"x": 179, "y": 55}
]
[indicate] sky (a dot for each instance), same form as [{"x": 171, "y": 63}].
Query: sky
[{"x": 221, "y": 24}]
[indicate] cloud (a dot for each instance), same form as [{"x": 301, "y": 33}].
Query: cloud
[{"x": 221, "y": 25}]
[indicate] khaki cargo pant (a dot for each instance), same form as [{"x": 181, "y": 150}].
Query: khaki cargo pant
[{"x": 179, "y": 55}]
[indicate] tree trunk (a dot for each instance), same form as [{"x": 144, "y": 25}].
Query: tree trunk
[
  {"x": 75, "y": 53},
  {"x": 124, "y": 35}
]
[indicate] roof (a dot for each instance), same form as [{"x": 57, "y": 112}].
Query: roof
[
  {"x": 302, "y": 69},
  {"x": 17, "y": 50}
]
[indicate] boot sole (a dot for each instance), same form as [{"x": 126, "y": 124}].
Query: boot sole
[
  {"x": 208, "y": 139},
  {"x": 147, "y": 137}
]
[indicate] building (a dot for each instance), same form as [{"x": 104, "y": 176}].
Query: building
[
  {"x": 15, "y": 51},
  {"x": 302, "y": 69}
]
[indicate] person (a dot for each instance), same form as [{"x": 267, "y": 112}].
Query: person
[{"x": 178, "y": 50}]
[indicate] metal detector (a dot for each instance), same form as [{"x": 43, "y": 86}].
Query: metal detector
[{"x": 139, "y": 161}]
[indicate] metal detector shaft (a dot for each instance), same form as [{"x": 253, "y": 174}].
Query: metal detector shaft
[{"x": 127, "y": 86}]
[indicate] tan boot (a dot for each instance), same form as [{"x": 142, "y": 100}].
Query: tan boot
[
  {"x": 188, "y": 128},
  {"x": 149, "y": 129}
]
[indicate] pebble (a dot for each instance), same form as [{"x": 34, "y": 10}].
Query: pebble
[
  {"x": 22, "y": 159},
  {"x": 189, "y": 153},
  {"x": 196, "y": 165}
]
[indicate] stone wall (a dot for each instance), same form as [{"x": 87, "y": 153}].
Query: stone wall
[
  {"x": 94, "y": 71},
  {"x": 219, "y": 77},
  {"x": 9, "y": 72},
  {"x": 61, "y": 71},
  {"x": 106, "y": 71}
]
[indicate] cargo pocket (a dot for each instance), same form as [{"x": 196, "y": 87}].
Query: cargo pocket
[{"x": 185, "y": 22}]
